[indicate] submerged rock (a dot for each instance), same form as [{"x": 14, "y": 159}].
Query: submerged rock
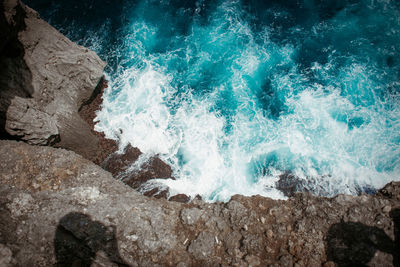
[{"x": 46, "y": 193}]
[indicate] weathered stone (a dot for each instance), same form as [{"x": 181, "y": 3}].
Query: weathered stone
[
  {"x": 182, "y": 198},
  {"x": 203, "y": 246},
  {"x": 286, "y": 260},
  {"x": 5, "y": 256},
  {"x": 56, "y": 74},
  {"x": 191, "y": 215},
  {"x": 117, "y": 162},
  {"x": 57, "y": 207},
  {"x": 26, "y": 121},
  {"x": 253, "y": 260}
]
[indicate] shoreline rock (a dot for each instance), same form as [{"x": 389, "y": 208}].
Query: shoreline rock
[
  {"x": 88, "y": 113},
  {"x": 60, "y": 88},
  {"x": 58, "y": 207},
  {"x": 38, "y": 195}
]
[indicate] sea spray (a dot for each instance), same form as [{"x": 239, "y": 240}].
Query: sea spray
[{"x": 234, "y": 94}]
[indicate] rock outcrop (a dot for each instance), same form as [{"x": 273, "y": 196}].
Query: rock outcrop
[
  {"x": 127, "y": 167},
  {"x": 50, "y": 89},
  {"x": 44, "y": 80},
  {"x": 57, "y": 207}
]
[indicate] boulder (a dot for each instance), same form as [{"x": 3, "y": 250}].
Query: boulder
[
  {"x": 57, "y": 76},
  {"x": 26, "y": 121},
  {"x": 127, "y": 167}
]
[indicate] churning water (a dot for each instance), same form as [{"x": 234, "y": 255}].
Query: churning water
[{"x": 232, "y": 94}]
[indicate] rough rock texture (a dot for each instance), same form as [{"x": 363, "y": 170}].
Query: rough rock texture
[
  {"x": 88, "y": 113},
  {"x": 127, "y": 167},
  {"x": 27, "y": 121},
  {"x": 49, "y": 96},
  {"x": 57, "y": 207},
  {"x": 117, "y": 163},
  {"x": 58, "y": 76}
]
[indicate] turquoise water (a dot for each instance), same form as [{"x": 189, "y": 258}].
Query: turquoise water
[{"x": 232, "y": 94}]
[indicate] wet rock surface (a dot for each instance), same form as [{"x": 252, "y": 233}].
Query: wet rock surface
[
  {"x": 44, "y": 195},
  {"x": 127, "y": 167},
  {"x": 88, "y": 113},
  {"x": 180, "y": 198},
  {"x": 117, "y": 163}
]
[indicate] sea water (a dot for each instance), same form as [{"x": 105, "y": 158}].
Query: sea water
[{"x": 232, "y": 94}]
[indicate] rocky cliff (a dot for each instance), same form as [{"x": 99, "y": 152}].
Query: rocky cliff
[
  {"x": 44, "y": 80},
  {"x": 58, "y": 208}
]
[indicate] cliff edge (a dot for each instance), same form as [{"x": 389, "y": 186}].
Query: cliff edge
[
  {"x": 44, "y": 80},
  {"x": 58, "y": 208}
]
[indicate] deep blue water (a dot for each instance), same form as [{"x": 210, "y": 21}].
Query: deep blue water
[{"x": 233, "y": 94}]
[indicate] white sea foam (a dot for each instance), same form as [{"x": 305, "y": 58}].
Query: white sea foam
[{"x": 341, "y": 135}]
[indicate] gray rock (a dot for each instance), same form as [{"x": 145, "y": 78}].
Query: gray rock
[
  {"x": 203, "y": 246},
  {"x": 53, "y": 200},
  {"x": 57, "y": 74},
  {"x": 57, "y": 207},
  {"x": 5, "y": 256},
  {"x": 191, "y": 215},
  {"x": 25, "y": 120}
]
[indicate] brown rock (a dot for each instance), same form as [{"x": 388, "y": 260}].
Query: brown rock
[
  {"x": 391, "y": 190},
  {"x": 157, "y": 193},
  {"x": 154, "y": 168},
  {"x": 329, "y": 264},
  {"x": 50, "y": 198},
  {"x": 117, "y": 163},
  {"x": 88, "y": 113},
  {"x": 182, "y": 198}
]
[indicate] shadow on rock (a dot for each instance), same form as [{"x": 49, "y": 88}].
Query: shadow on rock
[
  {"x": 355, "y": 244},
  {"x": 78, "y": 239},
  {"x": 395, "y": 214}
]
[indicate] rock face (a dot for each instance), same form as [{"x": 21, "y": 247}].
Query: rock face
[
  {"x": 128, "y": 167},
  {"x": 27, "y": 121},
  {"x": 44, "y": 80},
  {"x": 57, "y": 207}
]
